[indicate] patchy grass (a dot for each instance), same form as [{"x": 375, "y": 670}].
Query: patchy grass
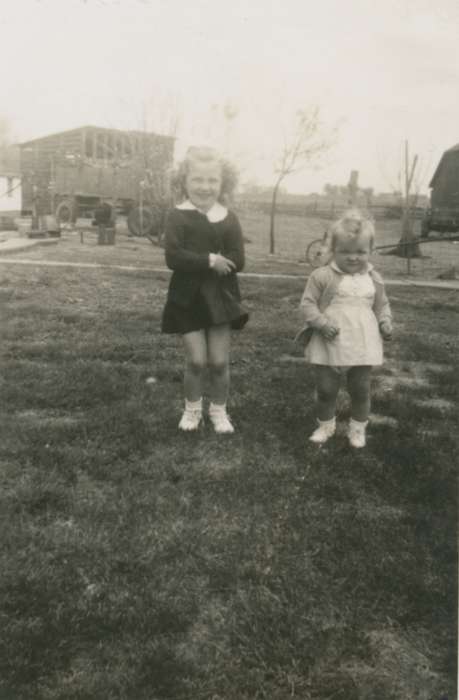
[{"x": 139, "y": 563}]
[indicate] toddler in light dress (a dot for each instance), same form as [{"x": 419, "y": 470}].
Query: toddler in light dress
[{"x": 347, "y": 315}]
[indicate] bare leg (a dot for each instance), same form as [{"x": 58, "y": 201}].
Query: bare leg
[
  {"x": 195, "y": 345},
  {"x": 327, "y": 385},
  {"x": 218, "y": 348},
  {"x": 358, "y": 384}
]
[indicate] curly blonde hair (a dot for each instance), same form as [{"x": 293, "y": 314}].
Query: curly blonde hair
[
  {"x": 364, "y": 227},
  {"x": 204, "y": 154}
]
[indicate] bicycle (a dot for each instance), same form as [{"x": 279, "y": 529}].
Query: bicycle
[{"x": 317, "y": 252}]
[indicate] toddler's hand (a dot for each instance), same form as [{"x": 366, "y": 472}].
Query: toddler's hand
[
  {"x": 386, "y": 330},
  {"x": 329, "y": 331},
  {"x": 222, "y": 265}
]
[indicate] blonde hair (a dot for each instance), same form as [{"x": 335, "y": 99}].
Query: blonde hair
[
  {"x": 204, "y": 154},
  {"x": 339, "y": 231}
]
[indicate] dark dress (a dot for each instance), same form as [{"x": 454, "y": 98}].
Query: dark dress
[{"x": 198, "y": 297}]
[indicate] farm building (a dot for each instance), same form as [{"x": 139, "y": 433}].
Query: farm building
[
  {"x": 10, "y": 185},
  {"x": 443, "y": 215},
  {"x": 445, "y": 181},
  {"x": 70, "y": 173}
]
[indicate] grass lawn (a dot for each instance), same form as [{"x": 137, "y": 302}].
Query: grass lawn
[{"x": 138, "y": 563}]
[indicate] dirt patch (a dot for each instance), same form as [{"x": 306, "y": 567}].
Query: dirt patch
[
  {"x": 370, "y": 510},
  {"x": 428, "y": 434},
  {"x": 377, "y": 419},
  {"x": 294, "y": 359},
  {"x": 425, "y": 367},
  {"x": 411, "y": 375},
  {"x": 393, "y": 677},
  {"x": 386, "y": 384},
  {"x": 49, "y": 418},
  {"x": 439, "y": 404}
]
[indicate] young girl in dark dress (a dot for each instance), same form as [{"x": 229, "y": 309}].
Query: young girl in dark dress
[{"x": 205, "y": 250}]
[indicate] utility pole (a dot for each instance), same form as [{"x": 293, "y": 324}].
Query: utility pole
[{"x": 353, "y": 187}]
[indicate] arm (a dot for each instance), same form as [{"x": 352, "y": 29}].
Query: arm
[
  {"x": 385, "y": 313},
  {"x": 382, "y": 310},
  {"x": 309, "y": 304},
  {"x": 177, "y": 256},
  {"x": 234, "y": 244},
  {"x": 385, "y": 317},
  {"x": 315, "y": 319}
]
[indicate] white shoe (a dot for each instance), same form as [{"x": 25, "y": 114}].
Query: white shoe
[
  {"x": 324, "y": 432},
  {"x": 356, "y": 433},
  {"x": 191, "y": 416},
  {"x": 220, "y": 419}
]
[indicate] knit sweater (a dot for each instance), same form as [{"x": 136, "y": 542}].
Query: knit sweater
[{"x": 320, "y": 290}]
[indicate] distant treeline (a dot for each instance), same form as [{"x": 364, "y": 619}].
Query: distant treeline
[{"x": 324, "y": 211}]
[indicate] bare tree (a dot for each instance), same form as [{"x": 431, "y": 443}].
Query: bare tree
[
  {"x": 304, "y": 145},
  {"x": 408, "y": 246},
  {"x": 411, "y": 174},
  {"x": 161, "y": 115}
]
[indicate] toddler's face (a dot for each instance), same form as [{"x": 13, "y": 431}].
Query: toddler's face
[
  {"x": 352, "y": 255},
  {"x": 203, "y": 184}
]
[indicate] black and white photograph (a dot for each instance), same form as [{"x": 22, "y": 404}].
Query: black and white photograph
[{"x": 229, "y": 315}]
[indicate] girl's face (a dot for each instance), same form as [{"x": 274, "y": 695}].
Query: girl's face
[
  {"x": 203, "y": 184},
  {"x": 352, "y": 255}
]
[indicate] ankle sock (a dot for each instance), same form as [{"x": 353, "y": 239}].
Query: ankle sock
[{"x": 193, "y": 405}]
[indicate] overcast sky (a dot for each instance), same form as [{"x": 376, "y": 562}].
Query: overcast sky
[{"x": 381, "y": 71}]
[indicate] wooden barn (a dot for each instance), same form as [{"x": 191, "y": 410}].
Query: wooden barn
[
  {"x": 445, "y": 182},
  {"x": 443, "y": 214},
  {"x": 70, "y": 173}
]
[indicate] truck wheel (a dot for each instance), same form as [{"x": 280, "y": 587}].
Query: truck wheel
[
  {"x": 141, "y": 221},
  {"x": 65, "y": 212}
]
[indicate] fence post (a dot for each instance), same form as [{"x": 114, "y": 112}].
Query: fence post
[{"x": 408, "y": 258}]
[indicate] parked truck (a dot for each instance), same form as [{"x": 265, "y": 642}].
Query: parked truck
[{"x": 72, "y": 173}]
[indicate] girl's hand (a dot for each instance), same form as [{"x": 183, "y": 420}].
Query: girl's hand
[
  {"x": 222, "y": 265},
  {"x": 329, "y": 331},
  {"x": 385, "y": 329}
]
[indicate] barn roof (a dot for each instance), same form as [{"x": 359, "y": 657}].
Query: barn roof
[
  {"x": 452, "y": 152},
  {"x": 131, "y": 132}
]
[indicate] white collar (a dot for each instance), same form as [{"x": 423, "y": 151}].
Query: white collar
[
  {"x": 335, "y": 267},
  {"x": 217, "y": 211}
]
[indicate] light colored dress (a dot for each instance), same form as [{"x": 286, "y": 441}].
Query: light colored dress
[{"x": 358, "y": 341}]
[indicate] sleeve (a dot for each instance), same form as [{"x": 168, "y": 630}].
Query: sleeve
[
  {"x": 309, "y": 305},
  {"x": 234, "y": 243},
  {"x": 177, "y": 256}
]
